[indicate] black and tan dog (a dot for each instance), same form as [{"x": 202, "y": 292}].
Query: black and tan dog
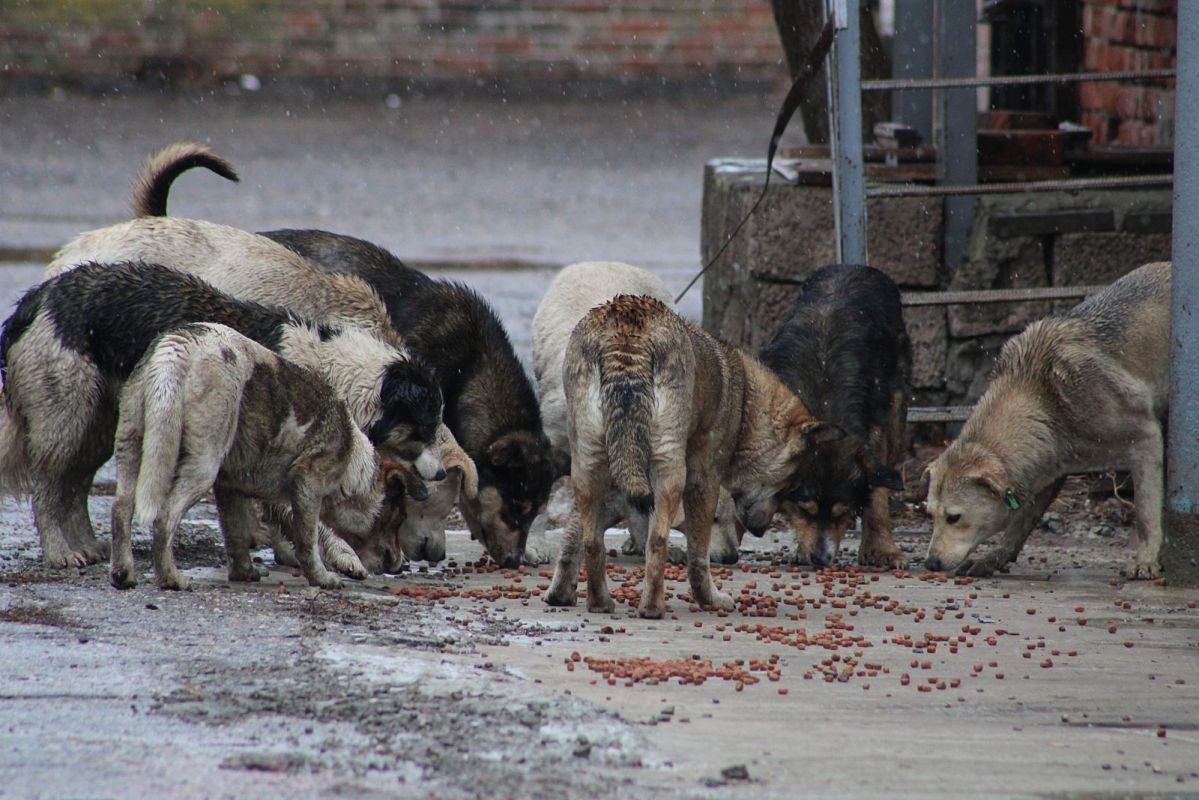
[
  {"x": 490, "y": 405},
  {"x": 844, "y": 351},
  {"x": 664, "y": 414}
]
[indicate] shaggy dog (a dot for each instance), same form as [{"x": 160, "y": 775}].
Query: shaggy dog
[
  {"x": 490, "y": 407},
  {"x": 490, "y": 404},
  {"x": 576, "y": 290},
  {"x": 844, "y": 351},
  {"x": 206, "y": 408},
  {"x": 1072, "y": 392},
  {"x": 664, "y": 414},
  {"x": 74, "y": 340}
]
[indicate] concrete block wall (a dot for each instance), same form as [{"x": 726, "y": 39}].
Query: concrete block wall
[
  {"x": 1018, "y": 241},
  {"x": 1129, "y": 35},
  {"x": 391, "y": 40}
]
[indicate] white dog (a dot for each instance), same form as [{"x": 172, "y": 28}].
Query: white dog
[{"x": 207, "y": 408}]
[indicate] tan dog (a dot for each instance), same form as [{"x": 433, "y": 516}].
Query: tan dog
[
  {"x": 664, "y": 414},
  {"x": 1071, "y": 392}
]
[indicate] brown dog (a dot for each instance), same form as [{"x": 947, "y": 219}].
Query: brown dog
[{"x": 663, "y": 414}]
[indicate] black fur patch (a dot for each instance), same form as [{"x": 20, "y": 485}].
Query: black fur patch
[
  {"x": 451, "y": 328},
  {"x": 17, "y": 323},
  {"x": 643, "y": 503},
  {"x": 843, "y": 347},
  {"x": 113, "y": 313},
  {"x": 409, "y": 396}
]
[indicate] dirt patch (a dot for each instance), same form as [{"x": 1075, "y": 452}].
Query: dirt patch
[{"x": 36, "y": 615}]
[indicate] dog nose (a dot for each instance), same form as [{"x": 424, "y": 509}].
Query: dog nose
[
  {"x": 821, "y": 558},
  {"x": 439, "y": 475},
  {"x": 933, "y": 564},
  {"x": 431, "y": 551},
  {"x": 511, "y": 560},
  {"x": 386, "y": 561}
]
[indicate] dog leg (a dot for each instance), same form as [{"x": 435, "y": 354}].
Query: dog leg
[
  {"x": 54, "y": 503},
  {"x": 122, "y": 573},
  {"x": 700, "y": 503},
  {"x": 726, "y": 537},
  {"x": 338, "y": 555},
  {"x": 1018, "y": 531},
  {"x": 537, "y": 546},
  {"x": 238, "y": 515},
  {"x": 591, "y": 514},
  {"x": 1147, "y": 462},
  {"x": 301, "y": 528},
  {"x": 878, "y": 543},
  {"x": 657, "y": 549},
  {"x": 564, "y": 589}
]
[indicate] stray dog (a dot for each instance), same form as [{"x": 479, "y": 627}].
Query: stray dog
[
  {"x": 73, "y": 341},
  {"x": 490, "y": 404},
  {"x": 844, "y": 351},
  {"x": 576, "y": 290},
  {"x": 1071, "y": 392},
  {"x": 664, "y": 413},
  {"x": 207, "y": 408}
]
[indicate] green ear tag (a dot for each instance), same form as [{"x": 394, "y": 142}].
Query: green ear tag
[{"x": 1012, "y": 502}]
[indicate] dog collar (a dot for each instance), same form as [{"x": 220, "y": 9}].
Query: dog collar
[{"x": 1012, "y": 502}]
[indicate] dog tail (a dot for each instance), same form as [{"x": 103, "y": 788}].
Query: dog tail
[
  {"x": 627, "y": 404},
  {"x": 153, "y": 183},
  {"x": 161, "y": 423},
  {"x": 14, "y": 474}
]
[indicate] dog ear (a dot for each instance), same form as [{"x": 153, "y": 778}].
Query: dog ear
[
  {"x": 454, "y": 457},
  {"x": 821, "y": 432},
  {"x": 886, "y": 478},
  {"x": 991, "y": 475},
  {"x": 508, "y": 451}
]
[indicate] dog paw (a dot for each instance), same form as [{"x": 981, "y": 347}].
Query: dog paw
[
  {"x": 175, "y": 582},
  {"x": 978, "y": 568},
  {"x": 537, "y": 552},
  {"x": 650, "y": 611},
  {"x": 123, "y": 578},
  {"x": 325, "y": 580},
  {"x": 93, "y": 552},
  {"x": 601, "y": 606},
  {"x": 562, "y": 596},
  {"x": 346, "y": 562},
  {"x": 720, "y": 601},
  {"x": 631, "y": 547},
  {"x": 892, "y": 558},
  {"x": 246, "y": 574},
  {"x": 1141, "y": 569}
]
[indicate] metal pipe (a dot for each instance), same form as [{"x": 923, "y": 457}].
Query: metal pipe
[
  {"x": 957, "y": 128},
  {"x": 981, "y": 296},
  {"x": 912, "y": 51},
  {"x": 1180, "y": 556},
  {"x": 849, "y": 167},
  {"x": 909, "y": 84},
  {"x": 917, "y": 190}
]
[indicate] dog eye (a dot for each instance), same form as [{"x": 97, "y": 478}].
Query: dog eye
[{"x": 953, "y": 519}]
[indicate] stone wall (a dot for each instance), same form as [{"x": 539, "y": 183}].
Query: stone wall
[
  {"x": 395, "y": 41},
  {"x": 1018, "y": 241}
]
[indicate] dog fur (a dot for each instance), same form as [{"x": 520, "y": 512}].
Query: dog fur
[
  {"x": 73, "y": 341},
  {"x": 577, "y": 289},
  {"x": 206, "y": 408},
  {"x": 1071, "y": 392},
  {"x": 844, "y": 350},
  {"x": 490, "y": 404},
  {"x": 664, "y": 414}
]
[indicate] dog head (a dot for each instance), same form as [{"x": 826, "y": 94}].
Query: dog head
[
  {"x": 970, "y": 500},
  {"x": 410, "y": 406},
  {"x": 757, "y": 496},
  {"x": 835, "y": 483},
  {"x": 516, "y": 473}
]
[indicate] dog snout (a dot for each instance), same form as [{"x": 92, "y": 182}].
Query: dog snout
[
  {"x": 432, "y": 550},
  {"x": 429, "y": 466},
  {"x": 821, "y": 557},
  {"x": 933, "y": 564},
  {"x": 387, "y": 561}
]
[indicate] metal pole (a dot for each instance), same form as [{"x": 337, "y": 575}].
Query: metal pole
[
  {"x": 1180, "y": 556},
  {"x": 913, "y": 49},
  {"x": 957, "y": 140},
  {"x": 849, "y": 169}
]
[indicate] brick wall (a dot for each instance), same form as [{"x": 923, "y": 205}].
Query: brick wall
[
  {"x": 1129, "y": 35},
  {"x": 391, "y": 40}
]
